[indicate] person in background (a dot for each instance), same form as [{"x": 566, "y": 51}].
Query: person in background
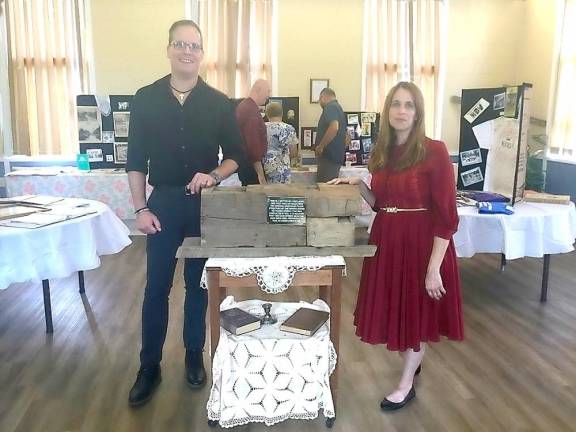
[
  {"x": 410, "y": 289},
  {"x": 282, "y": 145},
  {"x": 253, "y": 132},
  {"x": 177, "y": 125},
  {"x": 331, "y": 137}
]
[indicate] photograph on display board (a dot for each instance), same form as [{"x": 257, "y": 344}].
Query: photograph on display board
[
  {"x": 108, "y": 137},
  {"x": 354, "y": 145},
  {"x": 365, "y": 159},
  {"x": 89, "y": 124},
  {"x": 511, "y": 102},
  {"x": 471, "y": 157},
  {"x": 478, "y": 108},
  {"x": 123, "y": 106},
  {"x": 366, "y": 129},
  {"x": 369, "y": 117},
  {"x": 351, "y": 132},
  {"x": 367, "y": 145},
  {"x": 352, "y": 118},
  {"x": 472, "y": 176},
  {"x": 351, "y": 158},
  {"x": 499, "y": 101},
  {"x": 94, "y": 155},
  {"x": 121, "y": 124},
  {"x": 120, "y": 152}
]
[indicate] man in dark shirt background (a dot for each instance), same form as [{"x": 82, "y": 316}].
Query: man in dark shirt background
[
  {"x": 330, "y": 137},
  {"x": 253, "y": 130},
  {"x": 176, "y": 127}
]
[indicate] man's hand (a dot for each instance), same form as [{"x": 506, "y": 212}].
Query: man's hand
[
  {"x": 147, "y": 222},
  {"x": 319, "y": 150},
  {"x": 200, "y": 181}
]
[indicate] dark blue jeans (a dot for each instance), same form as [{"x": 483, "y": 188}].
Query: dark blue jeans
[{"x": 179, "y": 217}]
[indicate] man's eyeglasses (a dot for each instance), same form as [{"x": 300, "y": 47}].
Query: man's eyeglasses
[{"x": 182, "y": 46}]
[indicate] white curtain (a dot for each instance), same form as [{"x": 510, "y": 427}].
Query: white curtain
[
  {"x": 563, "y": 131},
  {"x": 48, "y": 65},
  {"x": 404, "y": 41},
  {"x": 238, "y": 43}
]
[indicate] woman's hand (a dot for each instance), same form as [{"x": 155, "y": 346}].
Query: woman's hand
[
  {"x": 346, "y": 180},
  {"x": 434, "y": 285}
]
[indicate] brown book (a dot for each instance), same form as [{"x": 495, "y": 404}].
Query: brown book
[{"x": 305, "y": 321}]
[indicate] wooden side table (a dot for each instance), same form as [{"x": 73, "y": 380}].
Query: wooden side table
[{"x": 328, "y": 279}]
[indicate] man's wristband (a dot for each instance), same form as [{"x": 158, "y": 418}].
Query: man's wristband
[
  {"x": 217, "y": 177},
  {"x": 140, "y": 210}
]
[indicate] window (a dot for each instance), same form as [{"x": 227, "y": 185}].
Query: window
[
  {"x": 49, "y": 64},
  {"x": 563, "y": 132}
]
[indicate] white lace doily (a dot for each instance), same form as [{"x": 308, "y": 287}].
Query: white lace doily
[
  {"x": 268, "y": 375},
  {"x": 274, "y": 274}
]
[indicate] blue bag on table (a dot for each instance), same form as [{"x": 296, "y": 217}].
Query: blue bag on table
[{"x": 494, "y": 208}]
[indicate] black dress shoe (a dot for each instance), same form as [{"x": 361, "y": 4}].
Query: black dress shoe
[
  {"x": 195, "y": 372},
  {"x": 387, "y": 405},
  {"x": 146, "y": 382}
]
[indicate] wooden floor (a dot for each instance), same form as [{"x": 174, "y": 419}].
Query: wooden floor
[{"x": 516, "y": 371}]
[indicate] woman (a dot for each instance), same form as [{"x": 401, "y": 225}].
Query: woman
[
  {"x": 282, "y": 145},
  {"x": 410, "y": 290}
]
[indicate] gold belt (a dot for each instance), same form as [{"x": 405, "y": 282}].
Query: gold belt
[{"x": 396, "y": 209}]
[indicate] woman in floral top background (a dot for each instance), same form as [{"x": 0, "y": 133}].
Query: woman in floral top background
[{"x": 282, "y": 144}]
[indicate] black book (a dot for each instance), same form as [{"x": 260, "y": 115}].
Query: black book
[
  {"x": 238, "y": 321},
  {"x": 305, "y": 321}
]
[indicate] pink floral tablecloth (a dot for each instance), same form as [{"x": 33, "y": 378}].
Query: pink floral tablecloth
[{"x": 110, "y": 188}]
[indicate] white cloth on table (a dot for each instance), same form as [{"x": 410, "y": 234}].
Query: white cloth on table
[
  {"x": 268, "y": 375},
  {"x": 58, "y": 250},
  {"x": 533, "y": 230},
  {"x": 274, "y": 274}
]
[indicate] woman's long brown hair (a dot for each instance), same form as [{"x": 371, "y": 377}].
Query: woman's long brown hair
[{"x": 415, "y": 150}]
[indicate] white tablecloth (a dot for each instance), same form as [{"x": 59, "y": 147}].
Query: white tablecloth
[
  {"x": 58, "y": 250},
  {"x": 268, "y": 375},
  {"x": 533, "y": 230}
]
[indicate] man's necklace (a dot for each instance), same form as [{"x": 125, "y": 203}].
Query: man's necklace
[{"x": 181, "y": 94}]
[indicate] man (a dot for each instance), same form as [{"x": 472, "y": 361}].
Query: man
[
  {"x": 176, "y": 126},
  {"x": 330, "y": 138},
  {"x": 253, "y": 130}
]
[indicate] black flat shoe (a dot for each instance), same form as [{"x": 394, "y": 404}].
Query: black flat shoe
[
  {"x": 195, "y": 372},
  {"x": 387, "y": 405},
  {"x": 146, "y": 383}
]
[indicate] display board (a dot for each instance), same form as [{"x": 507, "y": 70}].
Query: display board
[
  {"x": 362, "y": 128},
  {"x": 103, "y": 124},
  {"x": 493, "y": 140}
]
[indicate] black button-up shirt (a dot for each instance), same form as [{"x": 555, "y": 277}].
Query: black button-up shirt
[{"x": 174, "y": 142}]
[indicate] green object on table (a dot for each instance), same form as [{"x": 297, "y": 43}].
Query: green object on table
[{"x": 82, "y": 162}]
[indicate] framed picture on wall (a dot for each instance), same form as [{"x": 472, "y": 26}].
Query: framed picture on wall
[{"x": 316, "y": 86}]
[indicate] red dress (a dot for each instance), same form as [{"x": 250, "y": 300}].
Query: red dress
[{"x": 393, "y": 306}]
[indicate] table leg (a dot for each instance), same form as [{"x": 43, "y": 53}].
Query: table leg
[
  {"x": 214, "y": 295},
  {"x": 47, "y": 306},
  {"x": 335, "y": 305},
  {"x": 502, "y": 262},
  {"x": 81, "y": 282},
  {"x": 545, "y": 270},
  {"x": 323, "y": 293}
]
